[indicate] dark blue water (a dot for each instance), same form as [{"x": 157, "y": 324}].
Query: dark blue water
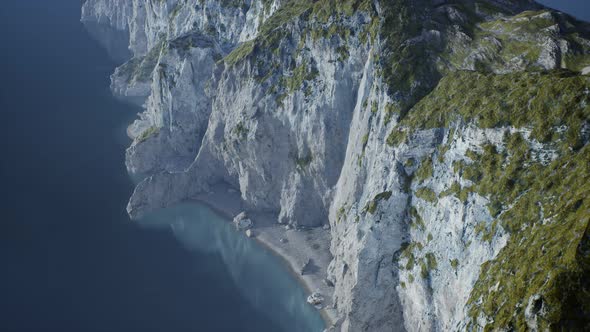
[
  {"x": 577, "y": 8},
  {"x": 70, "y": 260}
]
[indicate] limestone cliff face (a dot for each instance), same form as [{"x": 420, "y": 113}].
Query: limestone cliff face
[{"x": 445, "y": 143}]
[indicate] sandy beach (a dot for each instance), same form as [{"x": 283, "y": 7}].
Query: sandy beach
[{"x": 295, "y": 247}]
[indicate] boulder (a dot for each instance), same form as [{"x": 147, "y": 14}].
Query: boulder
[
  {"x": 242, "y": 222},
  {"x": 315, "y": 299}
]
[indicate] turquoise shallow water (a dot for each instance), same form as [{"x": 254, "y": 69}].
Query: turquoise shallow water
[{"x": 262, "y": 278}]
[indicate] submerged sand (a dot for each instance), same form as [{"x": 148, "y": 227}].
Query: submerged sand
[{"x": 295, "y": 246}]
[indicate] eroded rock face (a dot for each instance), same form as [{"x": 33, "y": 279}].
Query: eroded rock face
[
  {"x": 376, "y": 126},
  {"x": 107, "y": 22}
]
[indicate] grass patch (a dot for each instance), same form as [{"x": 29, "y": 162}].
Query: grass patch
[
  {"x": 371, "y": 206},
  {"x": 146, "y": 134},
  {"x": 427, "y": 194},
  {"x": 425, "y": 171},
  {"x": 540, "y": 101}
]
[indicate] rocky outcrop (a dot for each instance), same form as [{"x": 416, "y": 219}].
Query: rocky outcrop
[
  {"x": 242, "y": 222},
  {"x": 440, "y": 141}
]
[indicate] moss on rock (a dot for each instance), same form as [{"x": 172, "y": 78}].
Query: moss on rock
[
  {"x": 147, "y": 133},
  {"x": 547, "y": 254},
  {"x": 371, "y": 206},
  {"x": 541, "y": 101}
]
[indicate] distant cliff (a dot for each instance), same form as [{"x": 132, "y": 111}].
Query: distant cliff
[{"x": 445, "y": 143}]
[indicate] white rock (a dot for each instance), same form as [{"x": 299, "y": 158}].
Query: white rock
[
  {"x": 315, "y": 298},
  {"x": 242, "y": 222}
]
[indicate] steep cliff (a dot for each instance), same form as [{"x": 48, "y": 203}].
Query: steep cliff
[{"x": 445, "y": 143}]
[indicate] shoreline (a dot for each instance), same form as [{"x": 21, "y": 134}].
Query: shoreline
[{"x": 300, "y": 246}]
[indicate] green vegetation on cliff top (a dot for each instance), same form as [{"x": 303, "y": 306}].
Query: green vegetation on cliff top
[
  {"x": 541, "y": 101},
  {"x": 273, "y": 29},
  {"x": 544, "y": 205},
  {"x": 422, "y": 43}
]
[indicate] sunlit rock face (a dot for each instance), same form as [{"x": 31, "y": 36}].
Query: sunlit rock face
[{"x": 444, "y": 142}]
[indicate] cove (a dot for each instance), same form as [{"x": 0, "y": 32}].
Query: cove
[{"x": 259, "y": 275}]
